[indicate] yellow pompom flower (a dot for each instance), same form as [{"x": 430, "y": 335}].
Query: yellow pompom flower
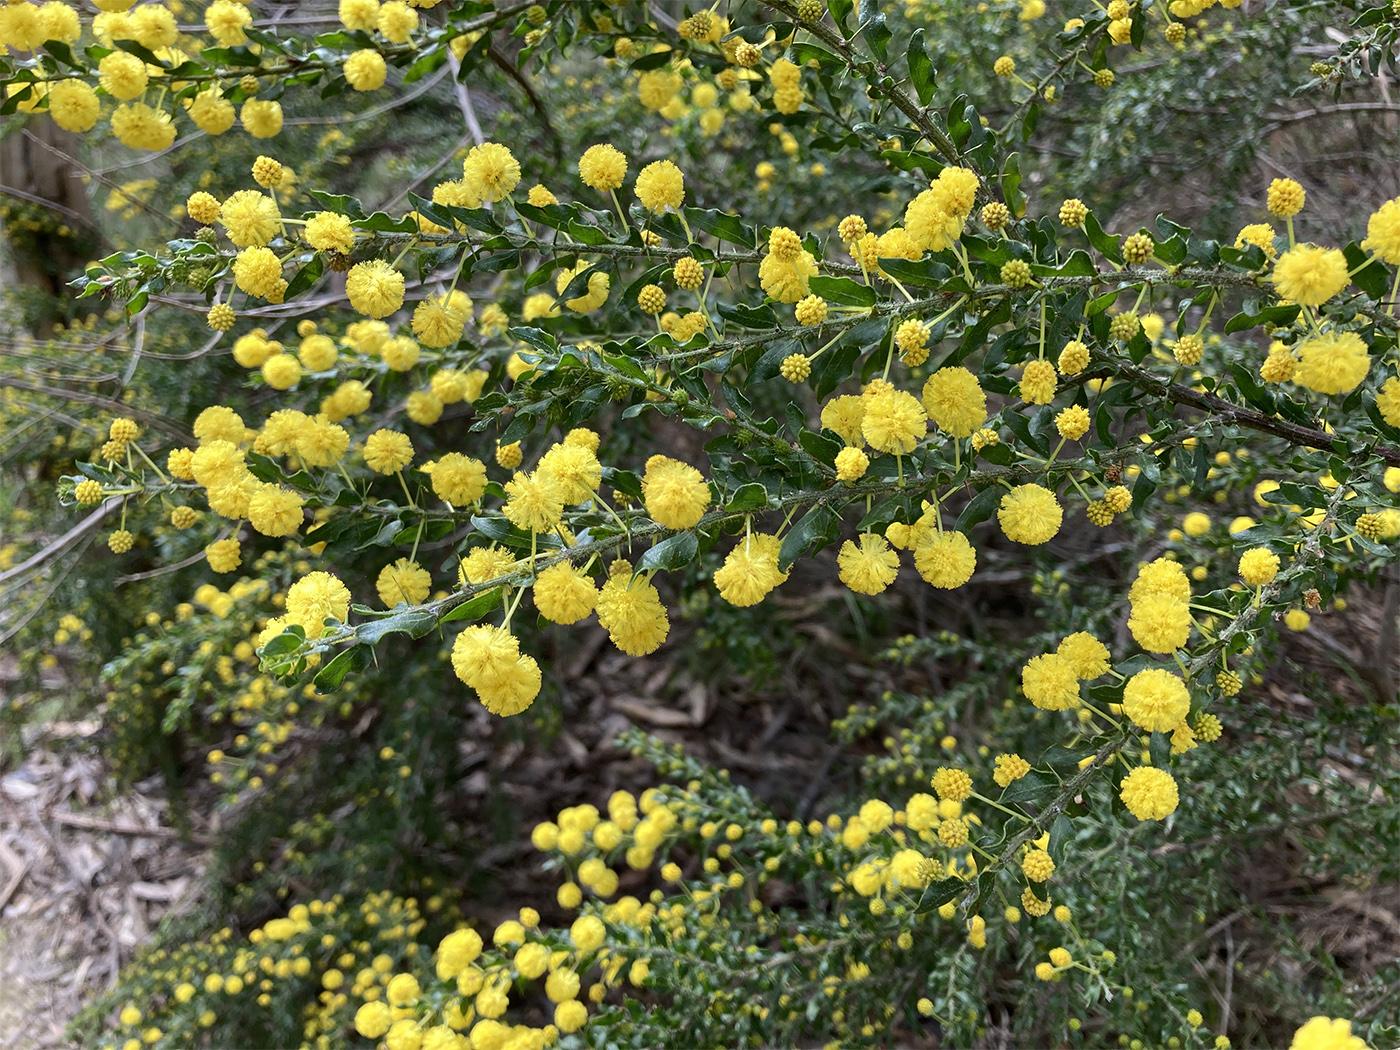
[
  {"x": 1259, "y": 235},
  {"x": 202, "y": 207},
  {"x": 1156, "y": 700},
  {"x": 570, "y": 1016},
  {"x": 1038, "y": 383},
  {"x": 1007, "y": 769},
  {"x": 951, "y": 784},
  {"x": 1326, "y": 1033},
  {"x": 491, "y": 171},
  {"x": 374, "y": 288},
  {"x": 220, "y": 423},
  {"x": 59, "y": 21},
  {"x": 396, "y": 21},
  {"x": 1030, "y": 514},
  {"x": 1160, "y": 623},
  {"x": 250, "y": 218},
  {"x": 1258, "y": 566},
  {"x": 630, "y": 610},
  {"x": 372, "y": 1020},
  {"x": 563, "y": 594},
  {"x": 275, "y": 511},
  {"x": 74, "y": 106},
  {"x": 1334, "y": 363},
  {"x": 1038, "y": 866},
  {"x": 1285, "y": 198},
  {"x": 867, "y": 565},
  {"x": 1050, "y": 682},
  {"x": 1382, "y": 232},
  {"x": 211, "y": 112},
  {"x": 812, "y": 310},
  {"x": 1162, "y": 576},
  {"x": 437, "y": 322},
  {"x": 1310, "y": 275},
  {"x": 387, "y": 451},
  {"x": 485, "y": 563},
  {"x": 843, "y": 416},
  {"x": 456, "y": 952},
  {"x": 321, "y": 443},
  {"x": 258, "y": 272},
  {"x": 851, "y": 464},
  {"x": 786, "y": 280},
  {"x": 750, "y": 571},
  {"x": 675, "y": 493},
  {"x": 1074, "y": 358},
  {"x": 403, "y": 581},
  {"x": 575, "y": 468},
  {"x": 894, "y": 421},
  {"x": 596, "y": 294},
  {"x": 227, "y": 20},
  {"x": 1088, "y": 655},
  {"x": 954, "y": 400},
  {"x": 488, "y": 660},
  {"x": 945, "y": 560},
  {"x": 602, "y": 167},
  {"x": 1149, "y": 793},
  {"x": 316, "y": 598},
  {"x": 651, "y": 300},
  {"x": 122, "y": 75},
  {"x": 327, "y": 231},
  {"x": 1195, "y": 524},
  {"x": 261, "y": 118},
  {"x": 660, "y": 186},
  {"x": 534, "y": 502},
  {"x": 1388, "y": 403},
  {"x": 223, "y": 555},
  {"x": 1072, "y": 422},
  {"x": 365, "y": 70}
]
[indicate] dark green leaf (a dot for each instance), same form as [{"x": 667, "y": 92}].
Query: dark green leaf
[
  {"x": 921, "y": 73},
  {"x": 842, "y": 291},
  {"x": 671, "y": 553}
]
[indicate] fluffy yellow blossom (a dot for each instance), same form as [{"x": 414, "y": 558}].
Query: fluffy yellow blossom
[
  {"x": 1310, "y": 275},
  {"x": 1258, "y": 566},
  {"x": 1149, "y": 793},
  {"x": 403, "y": 581},
  {"x": 1050, "y": 682},
  {"x": 327, "y": 231},
  {"x": 676, "y": 494},
  {"x": 250, "y": 218},
  {"x": 1326, "y": 1033},
  {"x": 954, "y": 400},
  {"x": 1156, "y": 700},
  {"x": 387, "y": 451},
  {"x": 563, "y": 594},
  {"x": 490, "y": 171},
  {"x": 660, "y": 186},
  {"x": 750, "y": 571},
  {"x": 1334, "y": 363},
  {"x": 374, "y": 288},
  {"x": 894, "y": 421},
  {"x": 534, "y": 502},
  {"x": 603, "y": 167},
  {"x": 1030, "y": 514},
  {"x": 316, "y": 598},
  {"x": 945, "y": 559},
  {"x": 867, "y": 565},
  {"x": 630, "y": 610}
]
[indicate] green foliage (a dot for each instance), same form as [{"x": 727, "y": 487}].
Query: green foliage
[{"x": 366, "y": 800}]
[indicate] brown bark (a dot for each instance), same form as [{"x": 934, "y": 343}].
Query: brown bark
[{"x": 33, "y": 177}]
